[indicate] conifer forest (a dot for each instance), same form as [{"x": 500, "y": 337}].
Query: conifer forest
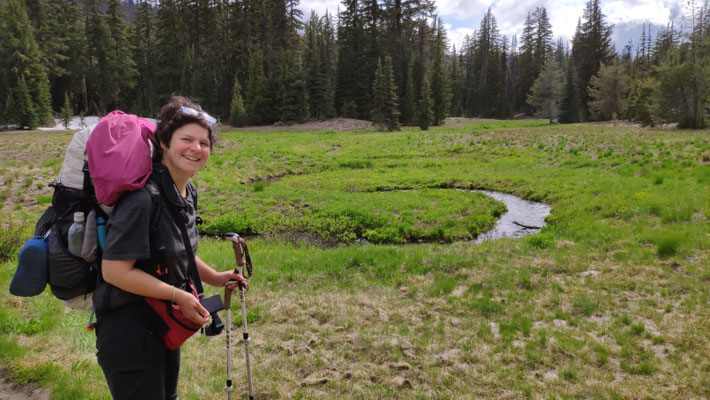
[{"x": 260, "y": 62}]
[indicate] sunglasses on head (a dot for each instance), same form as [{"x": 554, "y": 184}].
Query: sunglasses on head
[{"x": 198, "y": 114}]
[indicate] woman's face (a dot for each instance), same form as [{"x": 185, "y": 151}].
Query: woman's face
[{"x": 189, "y": 149}]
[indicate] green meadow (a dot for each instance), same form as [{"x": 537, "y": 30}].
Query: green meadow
[{"x": 368, "y": 284}]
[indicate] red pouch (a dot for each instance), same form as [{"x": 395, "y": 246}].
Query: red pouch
[{"x": 179, "y": 328}]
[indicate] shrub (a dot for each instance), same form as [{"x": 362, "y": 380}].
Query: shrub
[
  {"x": 667, "y": 245},
  {"x": 540, "y": 240},
  {"x": 12, "y": 237}
]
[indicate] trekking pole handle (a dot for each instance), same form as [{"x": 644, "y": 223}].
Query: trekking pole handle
[{"x": 241, "y": 254}]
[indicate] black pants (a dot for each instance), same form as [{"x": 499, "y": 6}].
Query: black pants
[{"x": 134, "y": 359}]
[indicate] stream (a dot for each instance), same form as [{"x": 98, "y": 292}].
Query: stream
[{"x": 525, "y": 212}]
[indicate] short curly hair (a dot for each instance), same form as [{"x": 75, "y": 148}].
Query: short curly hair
[{"x": 172, "y": 119}]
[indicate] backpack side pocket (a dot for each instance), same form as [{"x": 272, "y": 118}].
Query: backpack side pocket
[{"x": 69, "y": 276}]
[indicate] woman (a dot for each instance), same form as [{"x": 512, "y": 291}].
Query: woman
[{"x": 145, "y": 254}]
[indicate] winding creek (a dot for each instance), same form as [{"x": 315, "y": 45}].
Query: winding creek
[{"x": 520, "y": 212}]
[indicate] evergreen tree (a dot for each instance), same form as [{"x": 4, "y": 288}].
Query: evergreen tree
[
  {"x": 258, "y": 106},
  {"x": 23, "y": 66},
  {"x": 640, "y": 101},
  {"x": 74, "y": 59},
  {"x": 569, "y": 106},
  {"x": 543, "y": 97},
  {"x": 103, "y": 76},
  {"x": 51, "y": 40},
  {"x": 424, "y": 114},
  {"x": 66, "y": 112},
  {"x": 608, "y": 90},
  {"x": 526, "y": 62},
  {"x": 456, "y": 78},
  {"x": 354, "y": 72},
  {"x": 683, "y": 89},
  {"x": 294, "y": 107},
  {"x": 591, "y": 47},
  {"x": 145, "y": 54},
  {"x": 408, "y": 111},
  {"x": 172, "y": 61},
  {"x": 384, "y": 113},
  {"x": 122, "y": 67},
  {"x": 21, "y": 109},
  {"x": 237, "y": 114},
  {"x": 543, "y": 38},
  {"x": 439, "y": 81}
]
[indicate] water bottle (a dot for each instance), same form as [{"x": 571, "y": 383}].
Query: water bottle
[
  {"x": 101, "y": 231},
  {"x": 75, "y": 236}
]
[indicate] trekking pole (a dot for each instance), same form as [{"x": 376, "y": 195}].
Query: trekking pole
[{"x": 241, "y": 254}]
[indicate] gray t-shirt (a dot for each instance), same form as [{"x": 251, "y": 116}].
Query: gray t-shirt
[{"x": 158, "y": 249}]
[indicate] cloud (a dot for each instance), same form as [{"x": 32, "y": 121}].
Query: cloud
[
  {"x": 462, "y": 9},
  {"x": 456, "y": 36},
  {"x": 320, "y": 7},
  {"x": 657, "y": 12}
]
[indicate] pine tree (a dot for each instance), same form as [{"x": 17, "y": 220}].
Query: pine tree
[
  {"x": 641, "y": 101},
  {"x": 526, "y": 62},
  {"x": 424, "y": 113},
  {"x": 408, "y": 111},
  {"x": 258, "y": 106},
  {"x": 172, "y": 60},
  {"x": 122, "y": 67},
  {"x": 543, "y": 38},
  {"x": 145, "y": 53},
  {"x": 293, "y": 103},
  {"x": 384, "y": 113},
  {"x": 608, "y": 90},
  {"x": 439, "y": 81},
  {"x": 569, "y": 105},
  {"x": 51, "y": 40},
  {"x": 74, "y": 59},
  {"x": 24, "y": 66},
  {"x": 353, "y": 92},
  {"x": 543, "y": 97},
  {"x": 25, "y": 114},
  {"x": 591, "y": 47},
  {"x": 237, "y": 114},
  {"x": 456, "y": 78},
  {"x": 66, "y": 112}
]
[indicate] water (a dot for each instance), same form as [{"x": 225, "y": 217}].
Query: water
[{"x": 525, "y": 212}]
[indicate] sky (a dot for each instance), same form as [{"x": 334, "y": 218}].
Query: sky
[{"x": 462, "y": 17}]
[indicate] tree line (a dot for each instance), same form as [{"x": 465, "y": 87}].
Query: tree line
[{"x": 262, "y": 62}]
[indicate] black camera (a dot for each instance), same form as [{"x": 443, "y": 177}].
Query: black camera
[
  {"x": 215, "y": 327},
  {"x": 213, "y": 304}
]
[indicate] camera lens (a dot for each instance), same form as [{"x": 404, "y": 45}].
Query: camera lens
[{"x": 215, "y": 327}]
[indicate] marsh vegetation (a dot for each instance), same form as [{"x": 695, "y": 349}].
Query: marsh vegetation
[{"x": 367, "y": 283}]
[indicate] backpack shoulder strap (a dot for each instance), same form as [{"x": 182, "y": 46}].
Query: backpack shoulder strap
[{"x": 157, "y": 202}]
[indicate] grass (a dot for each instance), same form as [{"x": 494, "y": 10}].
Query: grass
[{"x": 366, "y": 285}]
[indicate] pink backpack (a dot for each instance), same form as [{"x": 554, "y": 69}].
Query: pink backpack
[{"x": 119, "y": 154}]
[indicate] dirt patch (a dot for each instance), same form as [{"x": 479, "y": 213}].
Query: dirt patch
[
  {"x": 333, "y": 124},
  {"x": 30, "y": 391}
]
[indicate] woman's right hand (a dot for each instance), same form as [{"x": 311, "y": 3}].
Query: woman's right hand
[{"x": 190, "y": 307}]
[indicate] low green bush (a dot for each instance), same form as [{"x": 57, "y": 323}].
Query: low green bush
[
  {"x": 12, "y": 237},
  {"x": 667, "y": 244}
]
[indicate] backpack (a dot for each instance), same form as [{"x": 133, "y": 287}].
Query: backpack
[{"x": 102, "y": 162}]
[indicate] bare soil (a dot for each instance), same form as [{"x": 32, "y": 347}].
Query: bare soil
[
  {"x": 30, "y": 391},
  {"x": 333, "y": 124}
]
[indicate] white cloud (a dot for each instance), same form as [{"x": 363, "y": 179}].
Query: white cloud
[
  {"x": 623, "y": 11},
  {"x": 462, "y": 9},
  {"x": 456, "y": 36},
  {"x": 320, "y": 7}
]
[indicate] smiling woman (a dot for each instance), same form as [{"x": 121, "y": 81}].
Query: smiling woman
[{"x": 151, "y": 242}]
